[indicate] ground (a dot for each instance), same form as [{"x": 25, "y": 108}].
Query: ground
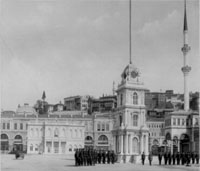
[{"x": 63, "y": 163}]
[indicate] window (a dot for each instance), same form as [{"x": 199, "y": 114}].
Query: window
[
  {"x": 187, "y": 122},
  {"x": 56, "y": 132},
  {"x": 8, "y": 125},
  {"x": 121, "y": 99},
  {"x": 15, "y": 126},
  {"x": 70, "y": 147},
  {"x": 21, "y": 125},
  {"x": 135, "y": 120},
  {"x": 183, "y": 121},
  {"x": 196, "y": 121},
  {"x": 103, "y": 139},
  {"x": 135, "y": 98},
  {"x": 98, "y": 127},
  {"x": 26, "y": 126},
  {"x": 4, "y": 125},
  {"x": 107, "y": 127},
  {"x": 174, "y": 121},
  {"x": 135, "y": 145},
  {"x": 31, "y": 147},
  {"x": 103, "y": 127},
  {"x": 179, "y": 121},
  {"x": 36, "y": 147}
]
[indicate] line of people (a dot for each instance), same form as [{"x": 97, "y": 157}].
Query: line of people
[
  {"x": 179, "y": 158},
  {"x": 175, "y": 158},
  {"x": 90, "y": 157}
]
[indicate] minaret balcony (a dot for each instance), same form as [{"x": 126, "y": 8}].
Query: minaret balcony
[
  {"x": 185, "y": 48},
  {"x": 186, "y": 69}
]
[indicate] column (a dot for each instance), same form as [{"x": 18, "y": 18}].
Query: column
[
  {"x": 146, "y": 145},
  {"x": 52, "y": 149},
  {"x": 129, "y": 151},
  {"x": 131, "y": 145},
  {"x": 141, "y": 144},
  {"x": 126, "y": 146},
  {"x": 121, "y": 144}
]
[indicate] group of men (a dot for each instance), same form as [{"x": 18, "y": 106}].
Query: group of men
[
  {"x": 90, "y": 157},
  {"x": 179, "y": 158},
  {"x": 176, "y": 158}
]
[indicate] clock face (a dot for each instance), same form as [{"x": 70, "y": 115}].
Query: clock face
[{"x": 134, "y": 74}]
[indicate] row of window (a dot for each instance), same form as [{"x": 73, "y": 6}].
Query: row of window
[
  {"x": 182, "y": 122},
  {"x": 16, "y": 126},
  {"x": 154, "y": 134},
  {"x": 103, "y": 127},
  {"x": 56, "y": 133},
  {"x": 156, "y": 125}
]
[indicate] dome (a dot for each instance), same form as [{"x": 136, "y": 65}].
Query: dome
[
  {"x": 130, "y": 71},
  {"x": 26, "y": 109}
]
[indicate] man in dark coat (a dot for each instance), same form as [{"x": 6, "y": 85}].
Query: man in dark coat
[
  {"x": 169, "y": 158},
  {"x": 160, "y": 158},
  {"x": 178, "y": 158},
  {"x": 143, "y": 158},
  {"x": 165, "y": 158},
  {"x": 192, "y": 157},
  {"x": 104, "y": 157},
  {"x": 99, "y": 155},
  {"x": 85, "y": 156},
  {"x": 112, "y": 157},
  {"x": 197, "y": 158},
  {"x": 76, "y": 157},
  {"x": 108, "y": 157},
  {"x": 174, "y": 158}
]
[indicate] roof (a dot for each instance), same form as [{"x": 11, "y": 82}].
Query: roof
[{"x": 26, "y": 109}]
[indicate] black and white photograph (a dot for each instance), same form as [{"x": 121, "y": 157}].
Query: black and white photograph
[{"x": 107, "y": 85}]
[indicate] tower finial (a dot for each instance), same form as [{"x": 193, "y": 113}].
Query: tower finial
[
  {"x": 185, "y": 27},
  {"x": 130, "y": 31}
]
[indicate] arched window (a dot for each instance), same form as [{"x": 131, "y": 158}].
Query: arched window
[
  {"x": 32, "y": 132},
  {"x": 155, "y": 142},
  {"x": 168, "y": 136},
  {"x": 103, "y": 127},
  {"x": 56, "y": 132},
  {"x": 120, "y": 120},
  {"x": 75, "y": 147},
  {"x": 41, "y": 132},
  {"x": 76, "y": 133},
  {"x": 71, "y": 133},
  {"x": 135, "y": 120},
  {"x": 107, "y": 127},
  {"x": 37, "y": 132},
  {"x": 49, "y": 132},
  {"x": 135, "y": 145},
  {"x": 135, "y": 98},
  {"x": 103, "y": 139},
  {"x": 98, "y": 127}
]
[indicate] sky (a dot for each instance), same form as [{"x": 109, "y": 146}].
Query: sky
[{"x": 68, "y": 47}]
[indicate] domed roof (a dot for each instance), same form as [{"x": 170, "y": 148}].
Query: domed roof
[
  {"x": 130, "y": 70},
  {"x": 26, "y": 109}
]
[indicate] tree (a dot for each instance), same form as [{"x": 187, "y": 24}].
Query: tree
[{"x": 43, "y": 96}]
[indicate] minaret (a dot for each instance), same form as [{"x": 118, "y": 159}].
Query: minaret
[{"x": 185, "y": 69}]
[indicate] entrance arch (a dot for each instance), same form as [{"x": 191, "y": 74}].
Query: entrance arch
[
  {"x": 18, "y": 143},
  {"x": 155, "y": 147},
  {"x": 184, "y": 143},
  {"x": 135, "y": 145},
  {"x": 4, "y": 142}
]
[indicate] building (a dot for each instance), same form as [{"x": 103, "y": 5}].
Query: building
[
  {"x": 76, "y": 103},
  {"x": 103, "y": 104},
  {"x": 56, "y": 132}
]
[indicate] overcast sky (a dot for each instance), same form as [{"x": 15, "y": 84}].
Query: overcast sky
[{"x": 72, "y": 47}]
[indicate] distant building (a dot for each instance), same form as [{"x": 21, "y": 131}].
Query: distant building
[
  {"x": 103, "y": 104},
  {"x": 76, "y": 103},
  {"x": 155, "y": 100}
]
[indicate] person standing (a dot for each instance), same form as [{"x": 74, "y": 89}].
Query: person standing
[
  {"x": 174, "y": 158},
  {"x": 76, "y": 157},
  {"x": 169, "y": 158},
  {"x": 178, "y": 158},
  {"x": 99, "y": 157},
  {"x": 160, "y": 158},
  {"x": 197, "y": 158},
  {"x": 150, "y": 158},
  {"x": 104, "y": 157},
  {"x": 143, "y": 158},
  {"x": 193, "y": 157},
  {"x": 165, "y": 158}
]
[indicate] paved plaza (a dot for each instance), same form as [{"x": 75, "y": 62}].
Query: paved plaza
[{"x": 63, "y": 163}]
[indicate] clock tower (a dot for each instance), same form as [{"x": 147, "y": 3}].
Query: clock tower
[{"x": 130, "y": 133}]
